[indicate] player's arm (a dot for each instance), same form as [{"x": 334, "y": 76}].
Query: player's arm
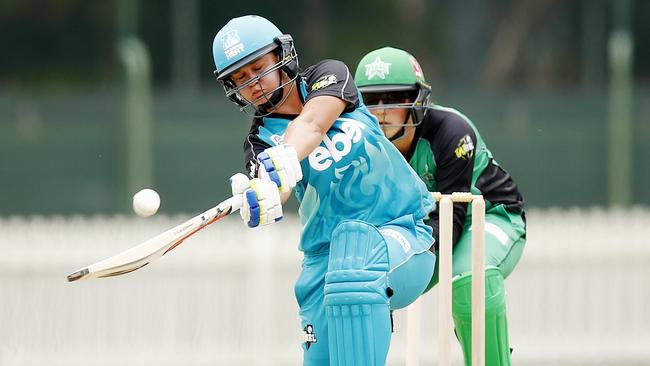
[
  {"x": 307, "y": 130},
  {"x": 330, "y": 92},
  {"x": 304, "y": 134},
  {"x": 454, "y": 146}
]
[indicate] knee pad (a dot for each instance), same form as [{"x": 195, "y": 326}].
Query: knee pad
[
  {"x": 497, "y": 348},
  {"x": 356, "y": 299}
]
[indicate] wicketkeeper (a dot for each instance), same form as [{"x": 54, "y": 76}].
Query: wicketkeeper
[
  {"x": 447, "y": 151},
  {"x": 362, "y": 207}
]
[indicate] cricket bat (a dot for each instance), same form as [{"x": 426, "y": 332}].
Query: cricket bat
[{"x": 154, "y": 248}]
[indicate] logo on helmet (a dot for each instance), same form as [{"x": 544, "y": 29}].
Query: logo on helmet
[
  {"x": 377, "y": 68},
  {"x": 232, "y": 45}
]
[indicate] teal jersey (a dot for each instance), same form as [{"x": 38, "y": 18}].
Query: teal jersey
[{"x": 355, "y": 173}]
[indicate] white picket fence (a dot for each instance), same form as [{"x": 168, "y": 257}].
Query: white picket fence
[{"x": 580, "y": 296}]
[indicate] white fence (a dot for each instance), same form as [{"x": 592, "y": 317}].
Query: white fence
[{"x": 580, "y": 296}]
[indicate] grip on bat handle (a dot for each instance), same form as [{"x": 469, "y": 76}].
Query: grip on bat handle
[{"x": 236, "y": 202}]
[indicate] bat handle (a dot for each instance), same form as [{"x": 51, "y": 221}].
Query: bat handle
[{"x": 235, "y": 202}]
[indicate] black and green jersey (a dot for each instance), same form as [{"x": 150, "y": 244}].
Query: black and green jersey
[{"x": 450, "y": 156}]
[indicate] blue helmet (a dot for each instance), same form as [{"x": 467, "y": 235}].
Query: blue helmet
[{"x": 243, "y": 40}]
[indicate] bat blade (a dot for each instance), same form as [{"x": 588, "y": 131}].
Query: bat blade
[{"x": 154, "y": 248}]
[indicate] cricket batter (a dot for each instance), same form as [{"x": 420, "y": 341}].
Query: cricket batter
[
  {"x": 362, "y": 207},
  {"x": 447, "y": 151}
]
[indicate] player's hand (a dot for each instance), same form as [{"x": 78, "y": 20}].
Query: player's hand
[
  {"x": 261, "y": 203},
  {"x": 280, "y": 164}
]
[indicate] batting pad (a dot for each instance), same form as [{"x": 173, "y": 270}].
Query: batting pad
[{"x": 356, "y": 303}]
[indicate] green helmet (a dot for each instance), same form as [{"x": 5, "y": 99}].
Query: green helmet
[{"x": 393, "y": 72}]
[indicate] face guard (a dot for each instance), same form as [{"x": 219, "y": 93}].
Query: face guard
[
  {"x": 288, "y": 62},
  {"x": 380, "y": 99},
  {"x": 396, "y": 100}
]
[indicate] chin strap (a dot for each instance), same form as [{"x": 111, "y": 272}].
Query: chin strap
[
  {"x": 275, "y": 100},
  {"x": 396, "y": 137},
  {"x": 402, "y": 131}
]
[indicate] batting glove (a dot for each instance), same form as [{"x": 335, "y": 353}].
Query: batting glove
[
  {"x": 280, "y": 164},
  {"x": 261, "y": 203}
]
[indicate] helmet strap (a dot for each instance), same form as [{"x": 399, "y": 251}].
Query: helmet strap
[
  {"x": 402, "y": 131},
  {"x": 274, "y": 101},
  {"x": 277, "y": 98}
]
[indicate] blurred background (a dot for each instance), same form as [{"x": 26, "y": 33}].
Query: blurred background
[{"x": 99, "y": 99}]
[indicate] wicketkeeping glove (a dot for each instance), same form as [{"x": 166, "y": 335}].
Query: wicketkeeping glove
[
  {"x": 261, "y": 203},
  {"x": 280, "y": 164}
]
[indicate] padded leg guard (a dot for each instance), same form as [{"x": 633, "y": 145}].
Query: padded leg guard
[
  {"x": 497, "y": 349},
  {"x": 356, "y": 303}
]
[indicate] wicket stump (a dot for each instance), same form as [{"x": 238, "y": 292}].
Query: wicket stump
[{"x": 445, "y": 323}]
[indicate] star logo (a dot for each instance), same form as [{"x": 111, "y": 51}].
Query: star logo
[{"x": 377, "y": 68}]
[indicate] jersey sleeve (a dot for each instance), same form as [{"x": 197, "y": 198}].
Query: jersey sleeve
[
  {"x": 333, "y": 78},
  {"x": 253, "y": 145},
  {"x": 454, "y": 146}
]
